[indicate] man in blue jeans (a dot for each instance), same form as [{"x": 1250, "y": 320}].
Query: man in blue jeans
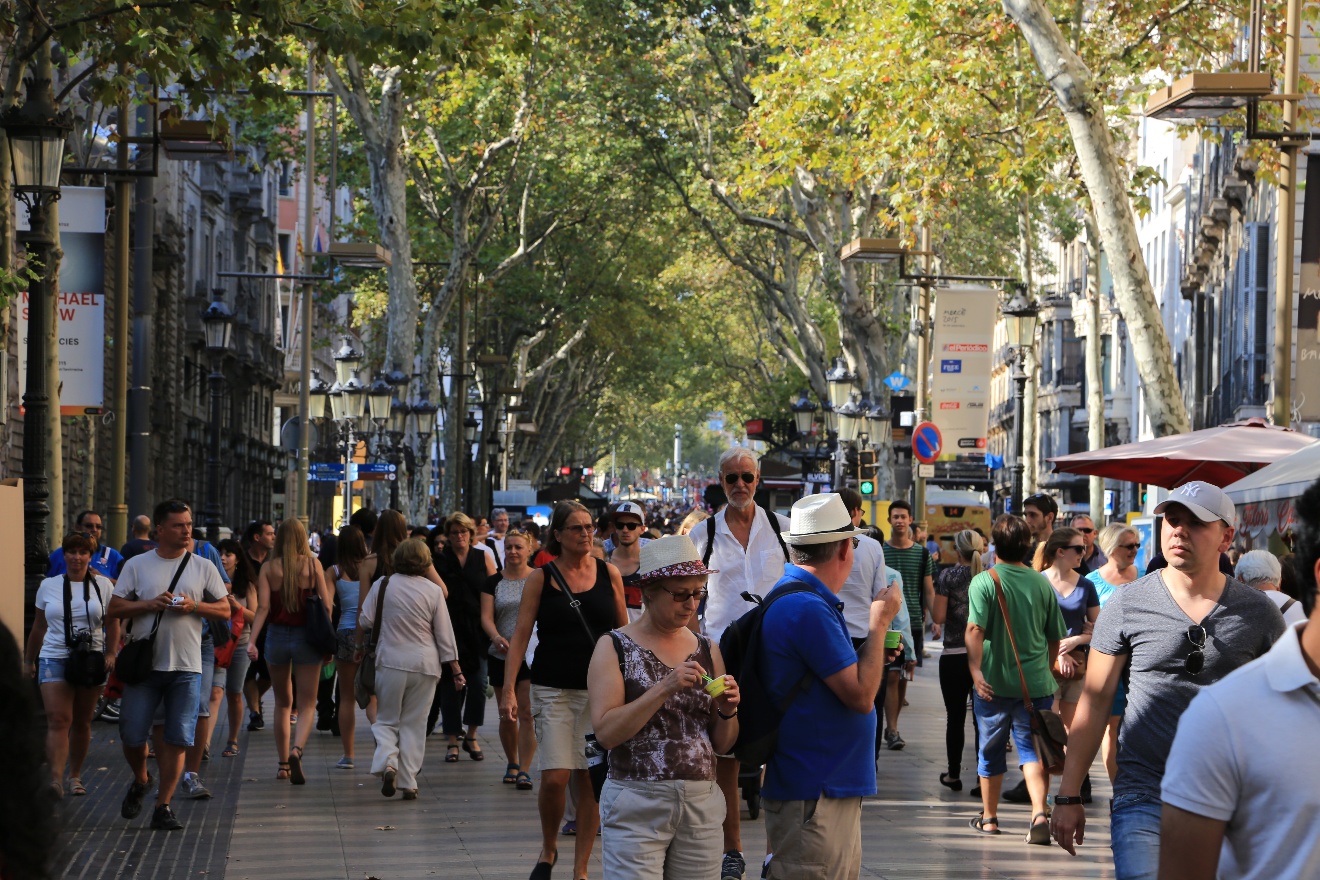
[
  {"x": 1176, "y": 631},
  {"x": 166, "y": 591}
]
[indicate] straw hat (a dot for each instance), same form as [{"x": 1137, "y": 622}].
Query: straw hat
[
  {"x": 671, "y": 556},
  {"x": 819, "y": 519}
]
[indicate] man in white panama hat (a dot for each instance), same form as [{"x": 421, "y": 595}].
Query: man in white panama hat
[{"x": 824, "y": 763}]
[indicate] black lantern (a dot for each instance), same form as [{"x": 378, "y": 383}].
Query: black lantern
[
  {"x": 37, "y": 135},
  {"x": 398, "y": 417},
  {"x": 1020, "y": 314},
  {"x": 470, "y": 427},
  {"x": 804, "y": 413},
  {"x": 840, "y": 381},
  {"x": 318, "y": 397},
  {"x": 849, "y": 419},
  {"x": 218, "y": 326},
  {"x": 347, "y": 360},
  {"x": 355, "y": 394}
]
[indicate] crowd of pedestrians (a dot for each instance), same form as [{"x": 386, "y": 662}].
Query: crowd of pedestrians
[{"x": 1199, "y": 689}]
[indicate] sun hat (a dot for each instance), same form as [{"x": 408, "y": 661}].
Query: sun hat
[
  {"x": 671, "y": 556},
  {"x": 629, "y": 508},
  {"x": 1206, "y": 502},
  {"x": 819, "y": 519}
]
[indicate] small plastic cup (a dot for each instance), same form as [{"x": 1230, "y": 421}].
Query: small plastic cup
[
  {"x": 716, "y": 687},
  {"x": 893, "y": 639}
]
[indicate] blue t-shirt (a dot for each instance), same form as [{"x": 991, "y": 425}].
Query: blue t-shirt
[
  {"x": 1075, "y": 605},
  {"x": 106, "y": 561},
  {"x": 348, "y": 590},
  {"x": 825, "y": 748}
]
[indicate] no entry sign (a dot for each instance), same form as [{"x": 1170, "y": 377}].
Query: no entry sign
[{"x": 927, "y": 442}]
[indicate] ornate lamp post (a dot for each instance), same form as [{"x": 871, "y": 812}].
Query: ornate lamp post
[
  {"x": 218, "y": 325},
  {"x": 423, "y": 413},
  {"x": 804, "y": 413},
  {"x": 37, "y": 134},
  {"x": 1020, "y": 320}
]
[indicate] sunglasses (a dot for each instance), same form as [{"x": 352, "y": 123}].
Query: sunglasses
[
  {"x": 856, "y": 540},
  {"x": 1076, "y": 548},
  {"x": 677, "y": 596},
  {"x": 1195, "y": 661},
  {"x": 732, "y": 479},
  {"x": 627, "y": 526},
  {"x": 1131, "y": 547},
  {"x": 579, "y": 529},
  {"x": 1085, "y": 531}
]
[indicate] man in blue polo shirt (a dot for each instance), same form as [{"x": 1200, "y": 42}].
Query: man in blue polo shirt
[
  {"x": 824, "y": 763},
  {"x": 105, "y": 560}
]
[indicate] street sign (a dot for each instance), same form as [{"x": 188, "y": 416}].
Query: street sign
[
  {"x": 926, "y": 470},
  {"x": 897, "y": 381},
  {"x": 376, "y": 467},
  {"x": 927, "y": 442}
]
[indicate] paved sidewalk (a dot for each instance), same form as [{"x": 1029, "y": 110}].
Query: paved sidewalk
[{"x": 466, "y": 824}]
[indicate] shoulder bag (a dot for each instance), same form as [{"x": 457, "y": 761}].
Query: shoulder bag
[
  {"x": 85, "y": 666},
  {"x": 318, "y": 630},
  {"x": 137, "y": 659},
  {"x": 1048, "y": 735},
  {"x": 364, "y": 680}
]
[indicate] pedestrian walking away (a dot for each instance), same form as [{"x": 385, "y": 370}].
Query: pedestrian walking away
[{"x": 499, "y": 618}]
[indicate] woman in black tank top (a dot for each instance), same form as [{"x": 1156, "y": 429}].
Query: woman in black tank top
[{"x": 572, "y": 601}]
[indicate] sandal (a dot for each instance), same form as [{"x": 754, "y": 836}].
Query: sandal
[
  {"x": 474, "y": 751},
  {"x": 978, "y": 824},
  {"x": 295, "y": 766},
  {"x": 231, "y": 749},
  {"x": 951, "y": 782},
  {"x": 542, "y": 870},
  {"x": 76, "y": 788},
  {"x": 451, "y": 753},
  {"x": 283, "y": 772},
  {"x": 1039, "y": 833},
  {"x": 511, "y": 774},
  {"x": 524, "y": 782}
]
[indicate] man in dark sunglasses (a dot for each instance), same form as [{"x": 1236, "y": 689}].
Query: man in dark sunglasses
[
  {"x": 629, "y": 520},
  {"x": 1094, "y": 557},
  {"x": 1175, "y": 631}
]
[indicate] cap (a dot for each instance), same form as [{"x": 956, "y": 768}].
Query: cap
[
  {"x": 1206, "y": 502},
  {"x": 629, "y": 508},
  {"x": 819, "y": 519}
]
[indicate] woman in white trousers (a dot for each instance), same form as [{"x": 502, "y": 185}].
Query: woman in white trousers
[{"x": 414, "y": 639}]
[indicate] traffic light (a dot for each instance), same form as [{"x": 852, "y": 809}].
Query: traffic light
[{"x": 866, "y": 467}]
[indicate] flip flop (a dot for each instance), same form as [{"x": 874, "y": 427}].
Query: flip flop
[
  {"x": 1039, "y": 833},
  {"x": 231, "y": 749},
  {"x": 511, "y": 774}
]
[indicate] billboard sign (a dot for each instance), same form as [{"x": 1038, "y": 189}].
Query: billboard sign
[{"x": 964, "y": 320}]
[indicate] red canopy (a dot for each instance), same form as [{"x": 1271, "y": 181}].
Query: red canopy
[{"x": 1219, "y": 456}]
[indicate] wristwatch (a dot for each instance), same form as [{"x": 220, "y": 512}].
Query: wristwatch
[{"x": 1063, "y": 800}]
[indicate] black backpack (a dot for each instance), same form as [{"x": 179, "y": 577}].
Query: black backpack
[{"x": 759, "y": 714}]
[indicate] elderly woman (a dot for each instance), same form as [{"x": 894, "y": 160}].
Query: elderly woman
[
  {"x": 69, "y": 606},
  {"x": 465, "y": 570},
  {"x": 1261, "y": 570},
  {"x": 650, "y": 685},
  {"x": 414, "y": 639},
  {"x": 572, "y": 601}
]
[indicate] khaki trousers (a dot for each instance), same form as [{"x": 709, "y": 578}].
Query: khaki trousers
[
  {"x": 815, "y": 840},
  {"x": 669, "y": 829}
]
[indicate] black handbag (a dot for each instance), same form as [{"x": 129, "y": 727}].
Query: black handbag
[
  {"x": 85, "y": 666},
  {"x": 364, "y": 680},
  {"x": 319, "y": 631},
  {"x": 137, "y": 659}
]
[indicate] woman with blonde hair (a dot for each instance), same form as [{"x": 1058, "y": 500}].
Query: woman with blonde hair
[
  {"x": 287, "y": 578},
  {"x": 690, "y": 521},
  {"x": 414, "y": 640},
  {"x": 950, "y": 611},
  {"x": 499, "y": 617}
]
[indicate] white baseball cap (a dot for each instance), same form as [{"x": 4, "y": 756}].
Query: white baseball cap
[
  {"x": 1206, "y": 502},
  {"x": 629, "y": 508}
]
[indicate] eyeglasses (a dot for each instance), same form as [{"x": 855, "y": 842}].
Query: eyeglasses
[
  {"x": 699, "y": 595},
  {"x": 1195, "y": 661},
  {"x": 856, "y": 540},
  {"x": 627, "y": 526},
  {"x": 1076, "y": 548},
  {"x": 93, "y": 525},
  {"x": 1131, "y": 547},
  {"x": 579, "y": 529},
  {"x": 732, "y": 479}
]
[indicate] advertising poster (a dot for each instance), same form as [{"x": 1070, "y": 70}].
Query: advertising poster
[
  {"x": 960, "y": 367},
  {"x": 1306, "y": 389},
  {"x": 81, "y": 302}
]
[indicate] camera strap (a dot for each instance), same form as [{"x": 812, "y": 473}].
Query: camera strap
[{"x": 68, "y": 606}]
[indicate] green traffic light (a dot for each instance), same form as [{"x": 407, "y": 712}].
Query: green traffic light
[{"x": 868, "y": 487}]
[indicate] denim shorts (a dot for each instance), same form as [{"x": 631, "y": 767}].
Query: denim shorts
[
  {"x": 1134, "y": 835},
  {"x": 50, "y": 669},
  {"x": 177, "y": 692},
  {"x": 232, "y": 679},
  {"x": 288, "y": 644},
  {"x": 997, "y": 718}
]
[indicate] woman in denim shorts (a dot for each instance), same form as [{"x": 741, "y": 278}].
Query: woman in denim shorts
[
  {"x": 286, "y": 580},
  {"x": 69, "y": 708},
  {"x": 350, "y": 550},
  {"x": 227, "y": 686}
]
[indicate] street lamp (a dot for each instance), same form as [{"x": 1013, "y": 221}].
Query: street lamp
[
  {"x": 850, "y": 416},
  {"x": 379, "y": 397},
  {"x": 319, "y": 398},
  {"x": 36, "y": 134},
  {"x": 397, "y": 427},
  {"x": 1020, "y": 314},
  {"x": 347, "y": 359},
  {"x": 804, "y": 413},
  {"x": 840, "y": 381},
  {"x": 218, "y": 327},
  {"x": 470, "y": 427}
]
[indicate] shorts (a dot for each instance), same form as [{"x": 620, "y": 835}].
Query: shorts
[
  {"x": 232, "y": 679},
  {"x": 178, "y": 692},
  {"x": 1069, "y": 691},
  {"x": 562, "y": 720},
  {"x": 50, "y": 670},
  {"x": 204, "y": 686},
  {"x": 996, "y": 719},
  {"x": 347, "y": 645},
  {"x": 495, "y": 671},
  {"x": 1120, "y": 701},
  {"x": 288, "y": 644}
]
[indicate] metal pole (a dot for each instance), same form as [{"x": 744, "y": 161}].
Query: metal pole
[
  {"x": 1019, "y": 395},
  {"x": 1284, "y": 232},
  {"x": 117, "y": 514},
  {"x": 678, "y": 452},
  {"x": 36, "y": 490},
  {"x": 461, "y": 449},
  {"x": 348, "y": 471},
  {"x": 923, "y": 366},
  {"x": 394, "y": 459},
  {"x": 212, "y": 511},
  {"x": 302, "y": 489}
]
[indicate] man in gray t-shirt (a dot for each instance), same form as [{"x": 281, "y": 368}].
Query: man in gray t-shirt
[{"x": 1167, "y": 635}]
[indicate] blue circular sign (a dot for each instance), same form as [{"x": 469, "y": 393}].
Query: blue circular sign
[{"x": 927, "y": 442}]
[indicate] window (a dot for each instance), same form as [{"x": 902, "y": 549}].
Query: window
[{"x": 1106, "y": 363}]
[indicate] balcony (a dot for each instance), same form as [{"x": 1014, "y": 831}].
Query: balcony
[
  {"x": 1241, "y": 392},
  {"x": 1073, "y": 374}
]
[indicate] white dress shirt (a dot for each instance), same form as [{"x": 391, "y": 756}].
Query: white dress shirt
[{"x": 755, "y": 570}]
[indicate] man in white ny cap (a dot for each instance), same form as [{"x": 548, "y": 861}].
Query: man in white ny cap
[
  {"x": 824, "y": 762},
  {"x": 1176, "y": 631}
]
